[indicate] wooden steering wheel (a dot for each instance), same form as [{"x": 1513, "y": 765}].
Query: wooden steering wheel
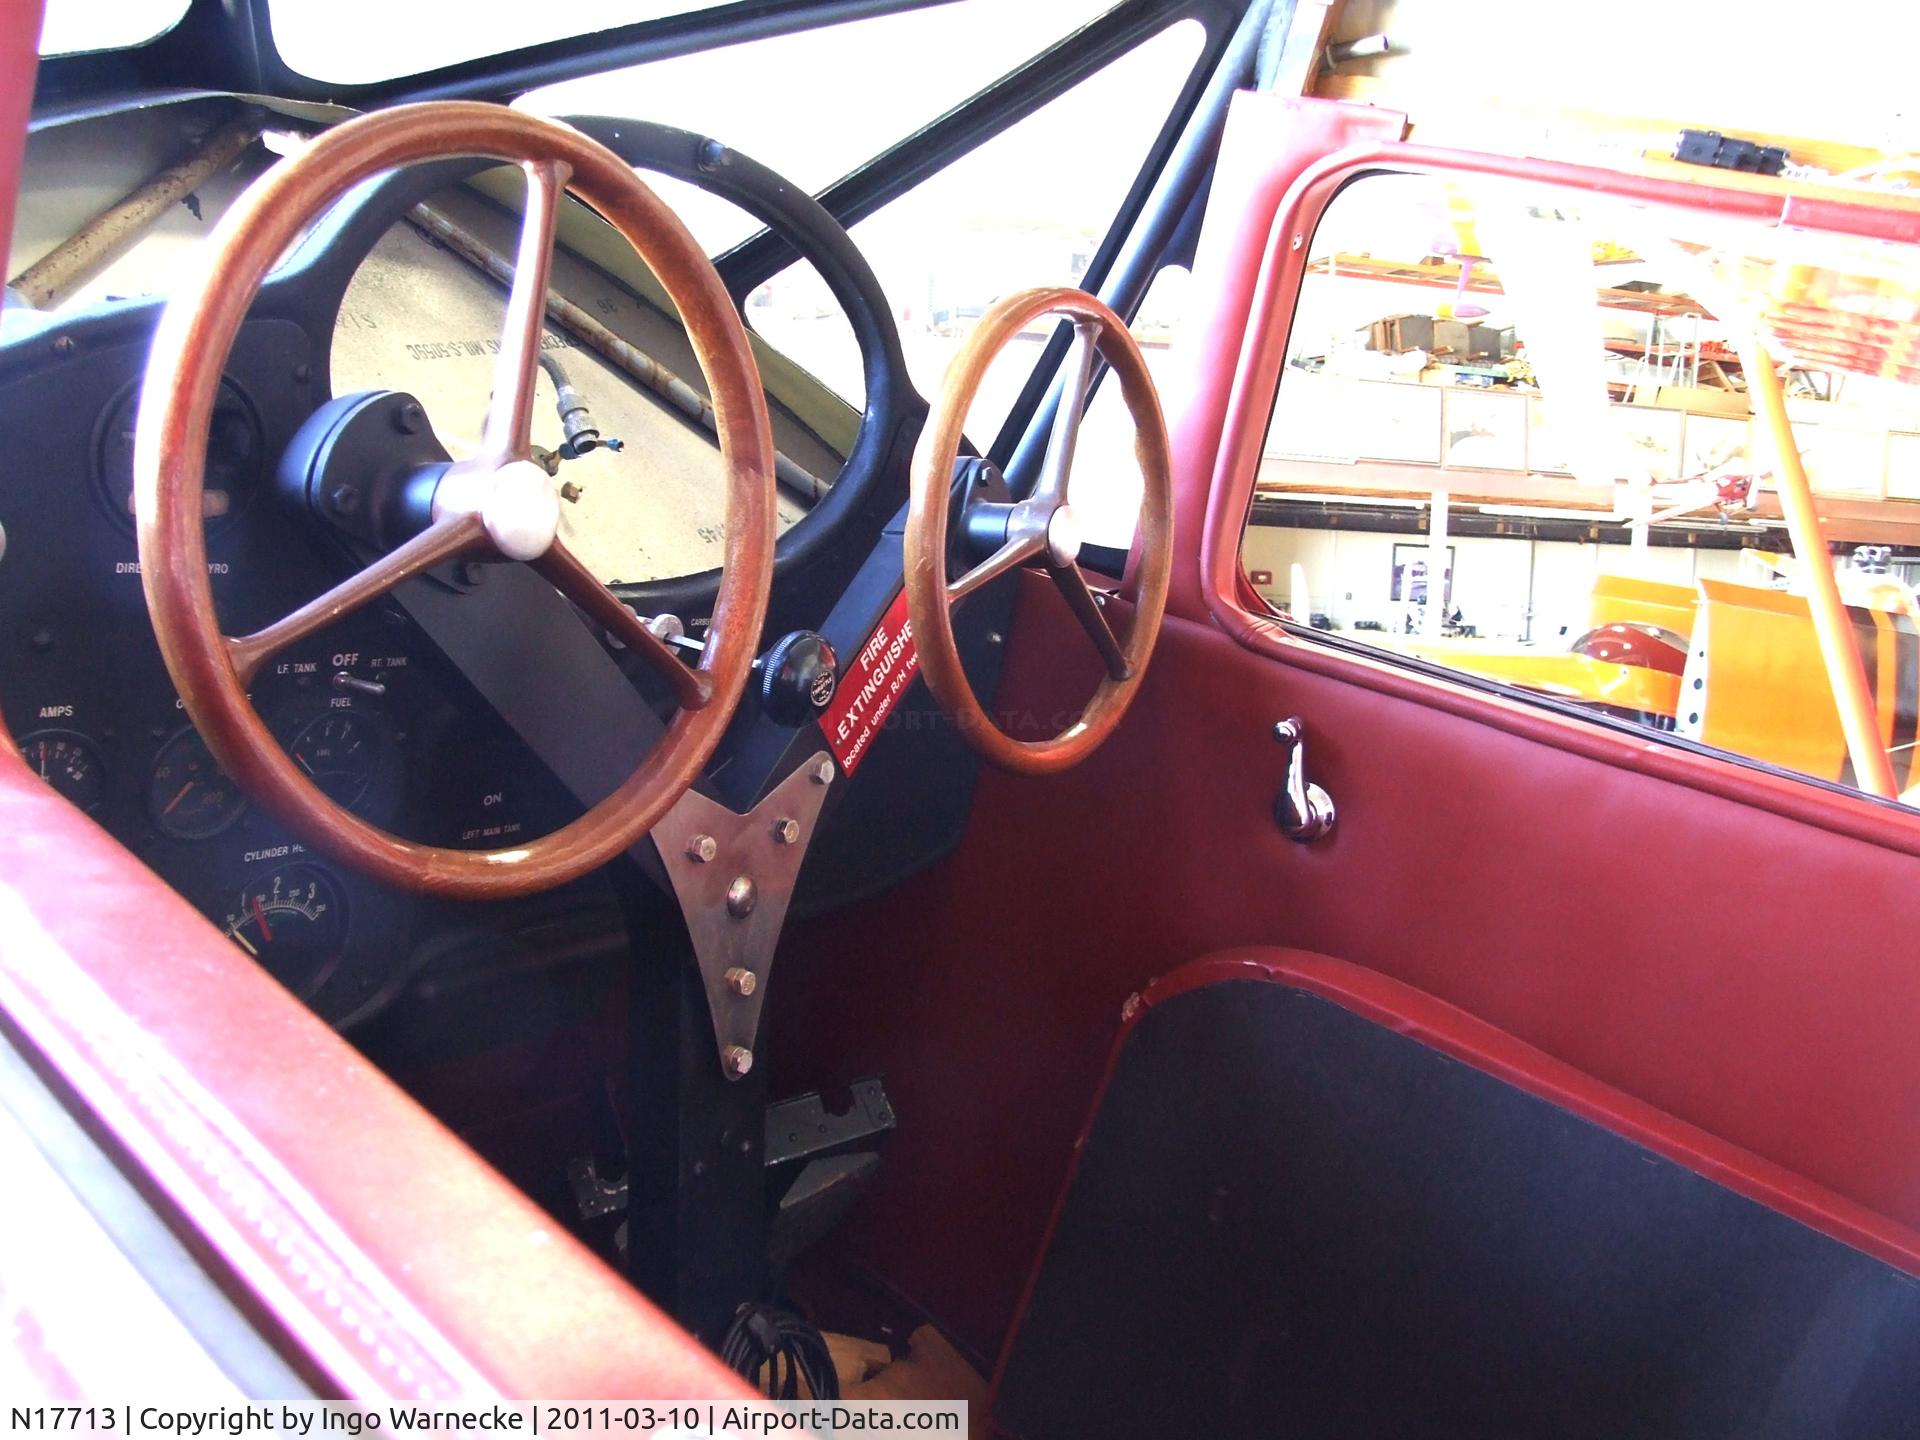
[
  {"x": 499, "y": 504},
  {"x": 1040, "y": 527}
]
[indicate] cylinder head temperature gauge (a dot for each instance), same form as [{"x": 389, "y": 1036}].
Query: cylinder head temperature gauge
[{"x": 294, "y": 922}]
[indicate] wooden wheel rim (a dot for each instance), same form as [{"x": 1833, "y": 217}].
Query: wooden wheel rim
[
  {"x": 190, "y": 350},
  {"x": 928, "y": 602}
]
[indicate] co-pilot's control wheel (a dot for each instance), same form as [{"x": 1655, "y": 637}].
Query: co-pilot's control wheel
[
  {"x": 498, "y": 504},
  {"x": 1040, "y": 529}
]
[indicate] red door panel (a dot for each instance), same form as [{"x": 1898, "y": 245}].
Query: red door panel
[
  {"x": 1729, "y": 947},
  {"x": 1744, "y": 972}
]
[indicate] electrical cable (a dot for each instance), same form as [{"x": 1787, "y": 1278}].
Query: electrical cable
[{"x": 765, "y": 1338}]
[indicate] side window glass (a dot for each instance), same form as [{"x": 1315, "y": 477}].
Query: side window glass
[{"x": 1513, "y": 437}]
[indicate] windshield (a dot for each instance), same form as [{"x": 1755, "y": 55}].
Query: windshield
[
  {"x": 72, "y": 27},
  {"x": 817, "y": 104},
  {"x": 328, "y": 41}
]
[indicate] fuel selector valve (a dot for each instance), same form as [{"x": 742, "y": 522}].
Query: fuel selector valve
[{"x": 797, "y": 678}]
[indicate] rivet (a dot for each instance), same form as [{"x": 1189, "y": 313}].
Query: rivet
[
  {"x": 701, "y": 849},
  {"x": 741, "y": 896}
]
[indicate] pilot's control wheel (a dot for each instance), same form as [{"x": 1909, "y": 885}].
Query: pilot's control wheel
[
  {"x": 498, "y": 504},
  {"x": 1039, "y": 530}
]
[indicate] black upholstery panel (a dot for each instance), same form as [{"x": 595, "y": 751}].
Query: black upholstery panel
[{"x": 1291, "y": 1221}]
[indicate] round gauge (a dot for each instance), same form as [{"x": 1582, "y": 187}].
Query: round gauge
[
  {"x": 293, "y": 921},
  {"x": 338, "y": 751},
  {"x": 67, "y": 762},
  {"x": 189, "y": 795},
  {"x": 236, "y": 455}
]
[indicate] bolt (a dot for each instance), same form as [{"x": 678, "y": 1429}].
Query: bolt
[
  {"x": 471, "y": 572},
  {"x": 741, "y": 980},
  {"x": 786, "y": 831},
  {"x": 701, "y": 849},
  {"x": 742, "y": 895},
  {"x": 821, "y": 771},
  {"x": 41, "y": 641},
  {"x": 737, "y": 1060},
  {"x": 571, "y": 492},
  {"x": 63, "y": 345},
  {"x": 713, "y": 155},
  {"x": 409, "y": 418},
  {"x": 302, "y": 374},
  {"x": 343, "y": 499}
]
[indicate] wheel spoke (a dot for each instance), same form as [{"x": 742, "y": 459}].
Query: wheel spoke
[
  {"x": 692, "y": 689},
  {"x": 444, "y": 541},
  {"x": 1015, "y": 552},
  {"x": 1086, "y": 610},
  {"x": 510, "y": 413},
  {"x": 1077, "y": 374}
]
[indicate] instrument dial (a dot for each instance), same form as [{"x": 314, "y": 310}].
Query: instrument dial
[
  {"x": 69, "y": 763},
  {"x": 294, "y": 922},
  {"x": 189, "y": 796},
  {"x": 236, "y": 455},
  {"x": 338, "y": 751}
]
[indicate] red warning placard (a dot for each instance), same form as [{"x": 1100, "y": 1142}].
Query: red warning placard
[{"x": 871, "y": 686}]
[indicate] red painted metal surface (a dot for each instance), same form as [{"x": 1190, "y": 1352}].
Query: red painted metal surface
[{"x": 19, "y": 59}]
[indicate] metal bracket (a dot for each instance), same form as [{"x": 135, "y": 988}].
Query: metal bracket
[
  {"x": 803, "y": 1128},
  {"x": 734, "y": 877}
]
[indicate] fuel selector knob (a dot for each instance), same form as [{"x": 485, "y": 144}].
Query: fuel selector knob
[{"x": 797, "y": 678}]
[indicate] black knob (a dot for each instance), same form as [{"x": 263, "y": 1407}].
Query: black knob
[{"x": 797, "y": 677}]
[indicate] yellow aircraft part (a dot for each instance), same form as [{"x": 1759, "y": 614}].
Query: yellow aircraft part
[
  {"x": 1756, "y": 683},
  {"x": 1558, "y": 673},
  {"x": 1622, "y": 599}
]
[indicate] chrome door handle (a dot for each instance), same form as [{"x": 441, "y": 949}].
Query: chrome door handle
[{"x": 1303, "y": 810}]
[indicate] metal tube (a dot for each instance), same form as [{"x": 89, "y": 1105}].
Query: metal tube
[
  {"x": 1846, "y": 674},
  {"x": 1436, "y": 616},
  {"x": 112, "y": 232},
  {"x": 621, "y": 354}
]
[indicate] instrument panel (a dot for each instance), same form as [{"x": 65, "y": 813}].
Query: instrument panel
[{"x": 369, "y": 709}]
